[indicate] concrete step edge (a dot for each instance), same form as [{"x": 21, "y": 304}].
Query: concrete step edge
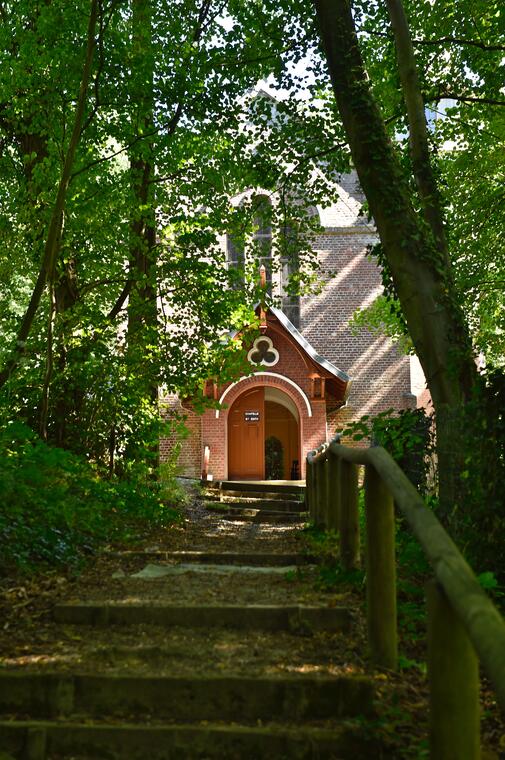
[
  {"x": 253, "y": 496},
  {"x": 293, "y": 618},
  {"x": 262, "y": 517},
  {"x": 218, "y": 558},
  {"x": 232, "y": 485},
  {"x": 165, "y": 742},
  {"x": 238, "y": 509},
  {"x": 271, "y": 506},
  {"x": 226, "y": 698}
]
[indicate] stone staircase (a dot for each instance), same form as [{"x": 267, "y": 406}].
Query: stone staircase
[
  {"x": 201, "y": 654},
  {"x": 264, "y": 502}
]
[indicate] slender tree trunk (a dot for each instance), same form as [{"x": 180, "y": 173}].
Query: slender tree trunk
[
  {"x": 428, "y": 300},
  {"x": 418, "y": 130},
  {"x": 142, "y": 298},
  {"x": 48, "y": 375},
  {"x": 69, "y": 396},
  {"x": 415, "y": 255},
  {"x": 142, "y": 304}
]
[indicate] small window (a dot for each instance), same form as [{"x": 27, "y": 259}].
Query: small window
[
  {"x": 262, "y": 235},
  {"x": 236, "y": 259},
  {"x": 289, "y": 267}
]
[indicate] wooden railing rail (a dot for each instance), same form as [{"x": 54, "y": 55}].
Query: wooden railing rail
[{"x": 462, "y": 620}]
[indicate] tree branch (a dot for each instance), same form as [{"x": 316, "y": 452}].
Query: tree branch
[
  {"x": 418, "y": 131},
  {"x": 98, "y": 283},
  {"x": 120, "y": 301},
  {"x": 426, "y": 294},
  {"x": 449, "y": 40},
  {"x": 170, "y": 126},
  {"x": 464, "y": 99},
  {"x": 460, "y": 41}
]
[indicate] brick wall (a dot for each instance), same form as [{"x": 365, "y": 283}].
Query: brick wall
[
  {"x": 380, "y": 374},
  {"x": 189, "y": 459}
]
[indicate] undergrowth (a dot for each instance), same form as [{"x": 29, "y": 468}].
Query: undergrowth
[{"x": 56, "y": 510}]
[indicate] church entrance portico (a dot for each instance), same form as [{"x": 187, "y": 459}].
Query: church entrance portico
[
  {"x": 263, "y": 436},
  {"x": 260, "y": 426}
]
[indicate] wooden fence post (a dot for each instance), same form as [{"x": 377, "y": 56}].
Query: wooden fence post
[
  {"x": 308, "y": 487},
  {"x": 380, "y": 571},
  {"x": 453, "y": 673},
  {"x": 322, "y": 492},
  {"x": 311, "y": 486},
  {"x": 333, "y": 494},
  {"x": 315, "y": 487},
  {"x": 349, "y": 516}
]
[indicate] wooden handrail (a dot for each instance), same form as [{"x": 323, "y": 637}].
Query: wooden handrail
[{"x": 471, "y": 606}]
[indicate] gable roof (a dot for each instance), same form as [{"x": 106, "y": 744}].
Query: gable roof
[
  {"x": 307, "y": 347},
  {"x": 344, "y": 380}
]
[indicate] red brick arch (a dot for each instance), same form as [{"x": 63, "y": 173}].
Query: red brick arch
[
  {"x": 312, "y": 430},
  {"x": 267, "y": 380}
]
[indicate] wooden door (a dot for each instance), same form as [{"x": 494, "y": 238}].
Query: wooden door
[
  {"x": 246, "y": 436},
  {"x": 280, "y": 424}
]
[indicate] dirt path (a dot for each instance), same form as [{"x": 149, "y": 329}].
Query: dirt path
[
  {"x": 169, "y": 654},
  {"x": 244, "y": 631}
]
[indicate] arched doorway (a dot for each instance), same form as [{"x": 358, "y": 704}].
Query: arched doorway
[{"x": 263, "y": 436}]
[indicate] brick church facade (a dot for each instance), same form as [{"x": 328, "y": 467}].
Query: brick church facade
[{"x": 310, "y": 373}]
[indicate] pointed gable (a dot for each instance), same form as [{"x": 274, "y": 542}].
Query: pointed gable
[{"x": 281, "y": 348}]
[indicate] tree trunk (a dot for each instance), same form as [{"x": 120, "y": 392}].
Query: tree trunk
[
  {"x": 69, "y": 396},
  {"x": 142, "y": 304},
  {"x": 418, "y": 131},
  {"x": 418, "y": 266}
]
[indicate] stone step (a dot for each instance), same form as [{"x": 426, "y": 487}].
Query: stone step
[
  {"x": 260, "y": 559},
  {"x": 294, "y": 618},
  {"x": 34, "y": 740},
  {"x": 266, "y": 506},
  {"x": 242, "y": 508},
  {"x": 260, "y": 515},
  {"x": 222, "y": 698},
  {"x": 261, "y": 486},
  {"x": 222, "y": 495}
]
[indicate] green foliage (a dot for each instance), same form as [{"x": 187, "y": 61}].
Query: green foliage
[
  {"x": 413, "y": 570},
  {"x": 405, "y": 663},
  {"x": 383, "y": 317},
  {"x": 477, "y": 520},
  {"x": 190, "y": 73},
  {"x": 406, "y": 435},
  {"x": 324, "y": 544},
  {"x": 489, "y": 583},
  {"x": 332, "y": 577},
  {"x": 56, "y": 509},
  {"x": 458, "y": 48}
]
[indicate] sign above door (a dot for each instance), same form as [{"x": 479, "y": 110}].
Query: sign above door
[{"x": 252, "y": 416}]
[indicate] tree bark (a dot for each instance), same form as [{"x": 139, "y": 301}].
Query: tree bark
[
  {"x": 142, "y": 309},
  {"x": 414, "y": 250},
  {"x": 418, "y": 131},
  {"x": 418, "y": 269}
]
